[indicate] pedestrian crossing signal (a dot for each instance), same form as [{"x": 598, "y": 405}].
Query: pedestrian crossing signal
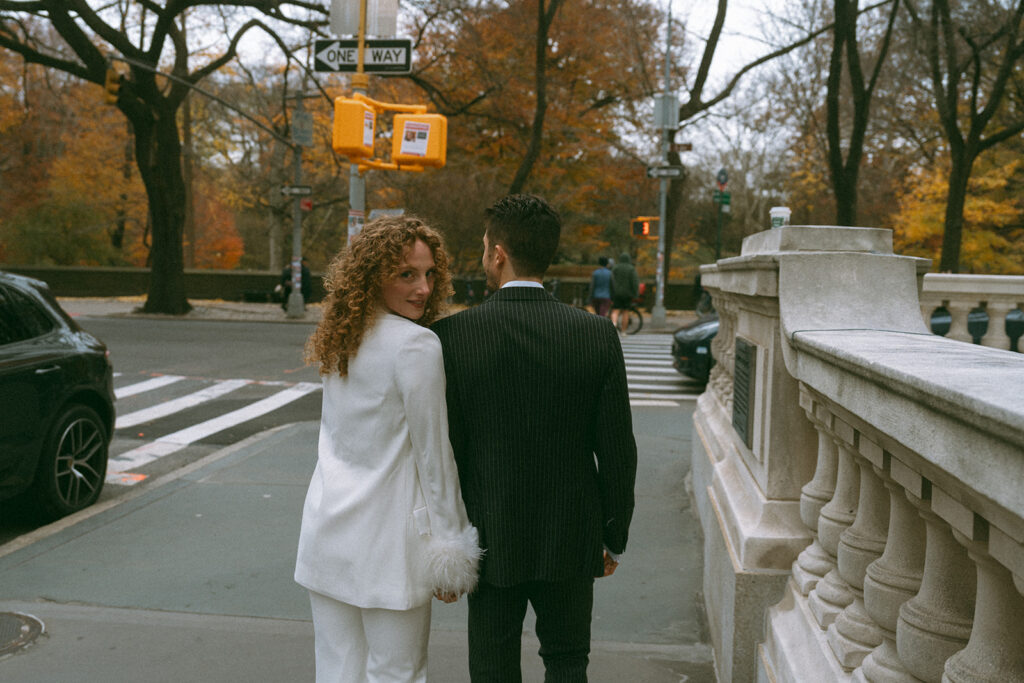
[{"x": 644, "y": 227}]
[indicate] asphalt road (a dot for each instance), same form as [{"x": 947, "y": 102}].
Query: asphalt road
[{"x": 649, "y": 613}]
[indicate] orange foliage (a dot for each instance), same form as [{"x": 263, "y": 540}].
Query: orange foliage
[
  {"x": 218, "y": 244},
  {"x": 993, "y": 237}
]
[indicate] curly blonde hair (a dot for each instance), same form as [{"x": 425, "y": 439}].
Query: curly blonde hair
[{"x": 354, "y": 283}]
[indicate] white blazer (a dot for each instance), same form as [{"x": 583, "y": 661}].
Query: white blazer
[{"x": 384, "y": 524}]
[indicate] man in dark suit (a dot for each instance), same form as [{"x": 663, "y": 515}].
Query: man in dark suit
[{"x": 540, "y": 423}]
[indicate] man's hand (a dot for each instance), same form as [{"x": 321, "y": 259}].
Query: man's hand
[
  {"x": 447, "y": 597},
  {"x": 609, "y": 564}
]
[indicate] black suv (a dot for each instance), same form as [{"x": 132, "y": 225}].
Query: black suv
[{"x": 56, "y": 402}]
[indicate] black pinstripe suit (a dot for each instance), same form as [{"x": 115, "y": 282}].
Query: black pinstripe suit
[{"x": 541, "y": 428}]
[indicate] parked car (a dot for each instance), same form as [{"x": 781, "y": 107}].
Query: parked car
[
  {"x": 691, "y": 347},
  {"x": 56, "y": 402}
]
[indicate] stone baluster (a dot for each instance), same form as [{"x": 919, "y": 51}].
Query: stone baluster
[
  {"x": 832, "y": 594},
  {"x": 813, "y": 562},
  {"x": 995, "y": 651},
  {"x": 996, "y": 336},
  {"x": 936, "y": 623},
  {"x": 855, "y": 634},
  {"x": 893, "y": 578},
  {"x": 958, "y": 311}
]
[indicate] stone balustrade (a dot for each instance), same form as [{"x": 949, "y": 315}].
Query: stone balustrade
[
  {"x": 994, "y": 297},
  {"x": 858, "y": 479}
]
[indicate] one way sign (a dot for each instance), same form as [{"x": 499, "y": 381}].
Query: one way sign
[{"x": 380, "y": 56}]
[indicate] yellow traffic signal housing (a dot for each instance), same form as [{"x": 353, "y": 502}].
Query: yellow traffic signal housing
[
  {"x": 354, "y": 127},
  {"x": 644, "y": 227},
  {"x": 419, "y": 140},
  {"x": 112, "y": 85}
]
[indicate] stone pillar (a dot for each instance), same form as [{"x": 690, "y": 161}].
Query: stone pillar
[
  {"x": 995, "y": 651},
  {"x": 996, "y": 336},
  {"x": 958, "y": 311},
  {"x": 814, "y": 563},
  {"x": 832, "y": 594},
  {"x": 936, "y": 623},
  {"x": 890, "y": 581},
  {"x": 855, "y": 634}
]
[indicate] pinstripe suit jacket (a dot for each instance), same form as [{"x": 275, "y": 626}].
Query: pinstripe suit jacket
[{"x": 540, "y": 424}]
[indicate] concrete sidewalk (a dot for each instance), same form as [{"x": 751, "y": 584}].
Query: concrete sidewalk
[
  {"x": 189, "y": 578},
  {"x": 130, "y": 306}
]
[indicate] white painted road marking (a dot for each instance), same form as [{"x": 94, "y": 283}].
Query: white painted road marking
[
  {"x": 177, "y": 405},
  {"x": 148, "y": 385},
  {"x": 172, "y": 443},
  {"x": 653, "y": 382}
]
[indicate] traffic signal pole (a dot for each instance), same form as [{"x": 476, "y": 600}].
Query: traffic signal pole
[{"x": 356, "y": 182}]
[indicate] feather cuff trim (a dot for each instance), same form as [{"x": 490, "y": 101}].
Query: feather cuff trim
[{"x": 453, "y": 563}]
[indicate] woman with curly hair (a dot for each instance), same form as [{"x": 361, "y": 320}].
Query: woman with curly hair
[{"x": 384, "y": 526}]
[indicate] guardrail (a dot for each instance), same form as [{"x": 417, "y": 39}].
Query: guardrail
[
  {"x": 985, "y": 309},
  {"x": 857, "y": 477}
]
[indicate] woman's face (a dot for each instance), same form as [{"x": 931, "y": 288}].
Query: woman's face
[{"x": 407, "y": 292}]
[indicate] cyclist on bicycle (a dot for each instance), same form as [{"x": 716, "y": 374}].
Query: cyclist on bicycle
[{"x": 625, "y": 288}]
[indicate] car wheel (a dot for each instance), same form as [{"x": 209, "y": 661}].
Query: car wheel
[{"x": 73, "y": 464}]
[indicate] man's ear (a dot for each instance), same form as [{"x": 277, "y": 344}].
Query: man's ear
[{"x": 500, "y": 255}]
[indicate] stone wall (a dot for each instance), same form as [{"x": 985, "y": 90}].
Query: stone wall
[{"x": 857, "y": 477}]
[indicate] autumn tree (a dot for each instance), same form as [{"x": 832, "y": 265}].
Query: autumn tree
[
  {"x": 144, "y": 39},
  {"x": 972, "y": 53}
]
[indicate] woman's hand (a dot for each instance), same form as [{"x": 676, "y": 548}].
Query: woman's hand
[{"x": 446, "y": 597}]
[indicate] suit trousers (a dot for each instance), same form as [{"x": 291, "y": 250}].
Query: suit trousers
[
  {"x": 496, "y": 614},
  {"x": 361, "y": 645}
]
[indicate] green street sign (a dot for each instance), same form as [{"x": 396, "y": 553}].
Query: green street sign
[{"x": 724, "y": 198}]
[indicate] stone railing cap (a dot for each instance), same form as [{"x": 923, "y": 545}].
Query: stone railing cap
[{"x": 818, "y": 238}]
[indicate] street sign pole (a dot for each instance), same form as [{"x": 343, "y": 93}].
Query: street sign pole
[
  {"x": 296, "y": 307},
  {"x": 356, "y": 182},
  {"x": 658, "y": 310}
]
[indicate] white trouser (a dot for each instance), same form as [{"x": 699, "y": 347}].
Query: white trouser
[{"x": 357, "y": 645}]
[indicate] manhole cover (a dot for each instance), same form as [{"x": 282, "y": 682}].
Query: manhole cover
[{"x": 17, "y": 631}]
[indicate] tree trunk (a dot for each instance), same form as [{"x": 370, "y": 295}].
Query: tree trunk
[
  {"x": 956, "y": 198},
  {"x": 158, "y": 151},
  {"x": 544, "y": 20}
]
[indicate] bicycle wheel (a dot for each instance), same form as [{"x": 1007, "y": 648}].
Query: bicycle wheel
[{"x": 634, "y": 320}]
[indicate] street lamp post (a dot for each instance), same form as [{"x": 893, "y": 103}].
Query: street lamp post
[
  {"x": 669, "y": 119},
  {"x": 302, "y": 135}
]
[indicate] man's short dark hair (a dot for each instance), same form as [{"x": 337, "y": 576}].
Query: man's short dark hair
[
  {"x": 602, "y": 261},
  {"x": 528, "y": 229}
]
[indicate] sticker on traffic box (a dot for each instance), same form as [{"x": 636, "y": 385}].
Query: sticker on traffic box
[{"x": 415, "y": 138}]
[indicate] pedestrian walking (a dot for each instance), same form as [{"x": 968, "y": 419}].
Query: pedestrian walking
[
  {"x": 541, "y": 428},
  {"x": 600, "y": 294},
  {"x": 384, "y": 526},
  {"x": 625, "y": 288}
]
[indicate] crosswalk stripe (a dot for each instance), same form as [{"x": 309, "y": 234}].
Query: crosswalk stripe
[
  {"x": 651, "y": 363},
  {"x": 661, "y": 404},
  {"x": 147, "y": 385},
  {"x": 181, "y": 439},
  {"x": 177, "y": 405}
]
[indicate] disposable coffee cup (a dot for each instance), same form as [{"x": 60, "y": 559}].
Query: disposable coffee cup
[{"x": 780, "y": 216}]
